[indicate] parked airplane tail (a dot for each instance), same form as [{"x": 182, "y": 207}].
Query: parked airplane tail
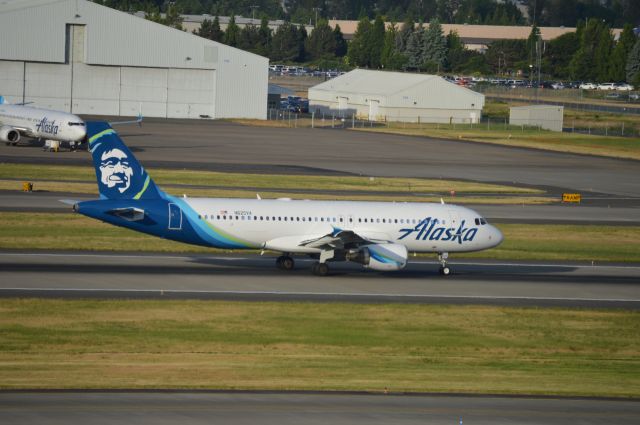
[{"x": 119, "y": 174}]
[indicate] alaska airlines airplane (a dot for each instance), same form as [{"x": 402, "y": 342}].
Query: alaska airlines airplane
[
  {"x": 378, "y": 235},
  {"x": 17, "y": 120}
]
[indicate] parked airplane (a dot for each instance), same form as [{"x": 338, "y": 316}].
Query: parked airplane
[
  {"x": 378, "y": 235},
  {"x": 18, "y": 120}
]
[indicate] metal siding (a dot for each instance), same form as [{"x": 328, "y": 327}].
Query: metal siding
[
  {"x": 143, "y": 88},
  {"x": 401, "y": 95},
  {"x": 96, "y": 89},
  {"x": 191, "y": 93},
  {"x": 11, "y": 78},
  {"x": 34, "y": 33},
  {"x": 146, "y": 52},
  {"x": 242, "y": 82},
  {"x": 548, "y": 117},
  {"x": 48, "y": 86}
]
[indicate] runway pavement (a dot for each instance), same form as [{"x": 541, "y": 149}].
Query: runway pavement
[
  {"x": 220, "y": 145},
  {"x": 144, "y": 408},
  {"x": 255, "y": 278}
]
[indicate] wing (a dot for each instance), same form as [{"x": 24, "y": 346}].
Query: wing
[{"x": 340, "y": 239}]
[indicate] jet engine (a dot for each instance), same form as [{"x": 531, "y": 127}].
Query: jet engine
[
  {"x": 9, "y": 134},
  {"x": 383, "y": 257}
]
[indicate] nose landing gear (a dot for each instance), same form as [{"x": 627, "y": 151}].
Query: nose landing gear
[{"x": 444, "y": 270}]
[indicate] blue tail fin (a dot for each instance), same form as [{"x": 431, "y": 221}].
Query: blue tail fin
[{"x": 119, "y": 174}]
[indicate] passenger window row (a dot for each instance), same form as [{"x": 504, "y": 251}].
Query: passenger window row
[{"x": 308, "y": 219}]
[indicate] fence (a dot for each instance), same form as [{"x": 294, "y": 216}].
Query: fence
[{"x": 486, "y": 124}]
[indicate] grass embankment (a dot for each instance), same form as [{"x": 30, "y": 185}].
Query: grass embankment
[
  {"x": 307, "y": 346},
  {"x": 235, "y": 185},
  {"x": 522, "y": 242}
]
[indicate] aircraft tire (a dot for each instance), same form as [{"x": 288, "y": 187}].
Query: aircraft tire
[
  {"x": 320, "y": 269},
  {"x": 287, "y": 262},
  {"x": 444, "y": 271}
]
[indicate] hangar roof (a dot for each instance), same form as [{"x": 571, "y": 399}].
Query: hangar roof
[
  {"x": 37, "y": 31},
  {"x": 364, "y": 81}
]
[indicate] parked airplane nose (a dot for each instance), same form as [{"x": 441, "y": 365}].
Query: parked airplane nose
[{"x": 80, "y": 131}]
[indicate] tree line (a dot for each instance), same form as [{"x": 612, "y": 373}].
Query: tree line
[{"x": 490, "y": 12}]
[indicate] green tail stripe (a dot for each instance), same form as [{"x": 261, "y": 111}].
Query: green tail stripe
[
  {"x": 99, "y": 135},
  {"x": 146, "y": 185}
]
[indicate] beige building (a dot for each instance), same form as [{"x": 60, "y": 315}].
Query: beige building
[
  {"x": 477, "y": 37},
  {"x": 396, "y": 96},
  {"x": 548, "y": 117}
]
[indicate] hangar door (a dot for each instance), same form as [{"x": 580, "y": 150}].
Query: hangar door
[{"x": 191, "y": 93}]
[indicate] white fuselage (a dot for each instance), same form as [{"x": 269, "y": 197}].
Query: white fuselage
[
  {"x": 282, "y": 225},
  {"x": 42, "y": 123}
]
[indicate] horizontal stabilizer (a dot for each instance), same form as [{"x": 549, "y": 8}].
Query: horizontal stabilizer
[
  {"x": 68, "y": 201},
  {"x": 129, "y": 214}
]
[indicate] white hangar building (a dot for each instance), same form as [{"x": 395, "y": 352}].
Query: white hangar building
[
  {"x": 396, "y": 96},
  {"x": 84, "y": 58}
]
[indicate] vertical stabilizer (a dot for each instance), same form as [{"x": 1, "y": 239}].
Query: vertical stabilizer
[{"x": 119, "y": 174}]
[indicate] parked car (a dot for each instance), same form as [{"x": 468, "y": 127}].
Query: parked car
[
  {"x": 573, "y": 84},
  {"x": 607, "y": 86},
  {"x": 634, "y": 96},
  {"x": 588, "y": 86},
  {"x": 557, "y": 85},
  {"x": 613, "y": 95},
  {"x": 624, "y": 87}
]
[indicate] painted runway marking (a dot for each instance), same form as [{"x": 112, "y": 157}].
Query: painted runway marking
[
  {"x": 257, "y": 257},
  {"x": 329, "y": 294}
]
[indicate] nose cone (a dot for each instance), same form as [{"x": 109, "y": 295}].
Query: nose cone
[
  {"x": 80, "y": 131},
  {"x": 495, "y": 236}
]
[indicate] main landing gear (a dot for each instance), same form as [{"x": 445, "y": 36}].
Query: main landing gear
[
  {"x": 285, "y": 262},
  {"x": 444, "y": 270},
  {"x": 320, "y": 269}
]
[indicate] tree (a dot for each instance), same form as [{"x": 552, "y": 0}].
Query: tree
[
  {"x": 618, "y": 61},
  {"x": 321, "y": 44},
  {"x": 532, "y": 44},
  {"x": 434, "y": 47},
  {"x": 284, "y": 45},
  {"x": 211, "y": 30},
  {"x": 232, "y": 34},
  {"x": 376, "y": 42},
  {"x": 602, "y": 53},
  {"x": 358, "y": 49},
  {"x": 414, "y": 49},
  {"x": 264, "y": 38},
  {"x": 341, "y": 43},
  {"x": 392, "y": 57},
  {"x": 633, "y": 65},
  {"x": 506, "y": 56},
  {"x": 558, "y": 54},
  {"x": 583, "y": 63},
  {"x": 248, "y": 38}
]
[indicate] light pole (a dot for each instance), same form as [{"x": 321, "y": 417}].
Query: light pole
[
  {"x": 253, "y": 11},
  {"x": 316, "y": 9}
]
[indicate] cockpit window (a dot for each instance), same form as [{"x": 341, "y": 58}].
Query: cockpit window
[
  {"x": 483, "y": 221},
  {"x": 477, "y": 220},
  {"x": 480, "y": 221},
  {"x": 71, "y": 124}
]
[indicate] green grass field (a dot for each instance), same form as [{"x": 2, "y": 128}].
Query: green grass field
[
  {"x": 44, "y": 173},
  {"x": 67, "y": 231},
  {"x": 308, "y": 346}
]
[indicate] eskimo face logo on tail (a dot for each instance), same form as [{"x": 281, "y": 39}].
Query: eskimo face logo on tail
[{"x": 115, "y": 171}]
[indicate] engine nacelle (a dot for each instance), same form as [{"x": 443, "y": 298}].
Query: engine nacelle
[
  {"x": 9, "y": 134},
  {"x": 384, "y": 256}
]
